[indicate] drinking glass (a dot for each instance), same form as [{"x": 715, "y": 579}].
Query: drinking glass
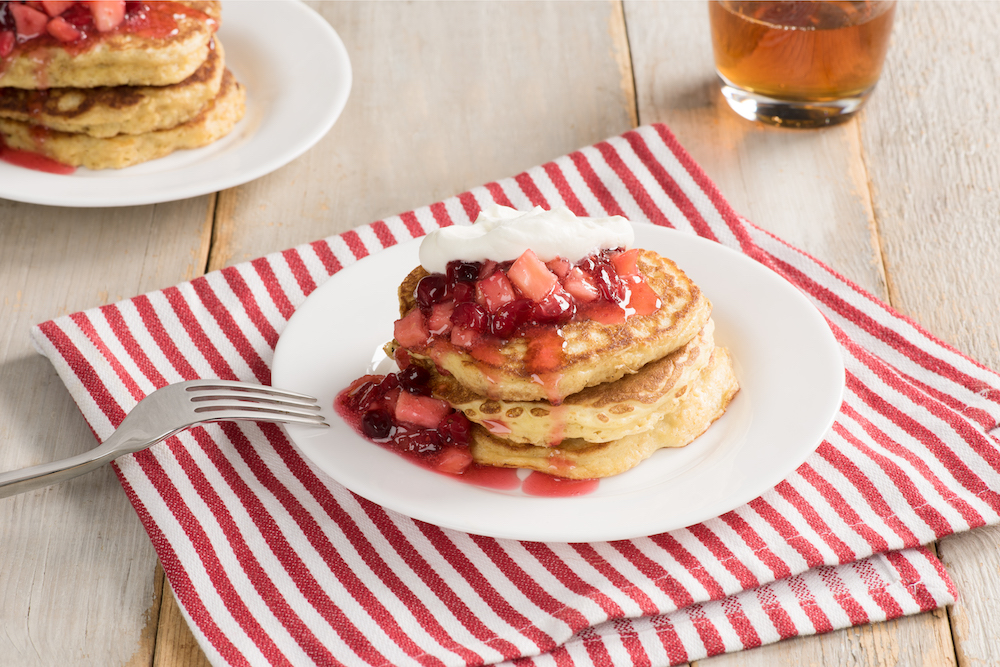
[{"x": 799, "y": 64}]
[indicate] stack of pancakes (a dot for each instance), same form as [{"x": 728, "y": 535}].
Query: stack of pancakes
[
  {"x": 126, "y": 98},
  {"x": 620, "y": 391}
]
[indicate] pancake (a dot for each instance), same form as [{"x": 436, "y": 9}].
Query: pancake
[
  {"x": 587, "y": 352},
  {"x": 703, "y": 403},
  {"x": 119, "y": 57},
  {"x": 80, "y": 150},
  {"x": 605, "y": 412},
  {"x": 107, "y": 111}
]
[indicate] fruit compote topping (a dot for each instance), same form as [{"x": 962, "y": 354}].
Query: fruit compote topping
[
  {"x": 76, "y": 26},
  {"x": 398, "y": 412},
  {"x": 479, "y": 305}
]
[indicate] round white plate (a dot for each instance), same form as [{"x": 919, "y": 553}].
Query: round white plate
[
  {"x": 297, "y": 75},
  {"x": 789, "y": 366}
]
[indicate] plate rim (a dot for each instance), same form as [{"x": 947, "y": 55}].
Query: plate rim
[
  {"x": 127, "y": 189},
  {"x": 830, "y": 351}
]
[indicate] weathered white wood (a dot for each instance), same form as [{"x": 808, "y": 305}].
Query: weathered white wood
[
  {"x": 446, "y": 96},
  {"x": 77, "y": 584},
  {"x": 932, "y": 156},
  {"x": 913, "y": 641}
]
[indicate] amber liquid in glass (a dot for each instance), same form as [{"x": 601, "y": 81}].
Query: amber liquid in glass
[{"x": 813, "y": 50}]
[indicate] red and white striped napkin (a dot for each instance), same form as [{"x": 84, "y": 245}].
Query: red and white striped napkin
[{"x": 274, "y": 563}]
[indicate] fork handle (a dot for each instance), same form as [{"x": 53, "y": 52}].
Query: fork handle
[{"x": 45, "y": 474}]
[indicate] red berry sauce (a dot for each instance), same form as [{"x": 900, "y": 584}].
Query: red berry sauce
[
  {"x": 371, "y": 405},
  {"x": 30, "y": 160}
]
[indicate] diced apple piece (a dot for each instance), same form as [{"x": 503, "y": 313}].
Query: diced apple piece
[
  {"x": 495, "y": 291},
  {"x": 439, "y": 323},
  {"x": 29, "y": 22},
  {"x": 580, "y": 286},
  {"x": 453, "y": 460},
  {"x": 62, "y": 30},
  {"x": 463, "y": 337},
  {"x": 108, "y": 14},
  {"x": 56, "y": 7},
  {"x": 530, "y": 275},
  {"x": 424, "y": 411},
  {"x": 7, "y": 40},
  {"x": 559, "y": 266},
  {"x": 411, "y": 330},
  {"x": 624, "y": 262}
]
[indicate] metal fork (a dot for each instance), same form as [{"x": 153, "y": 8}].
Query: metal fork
[{"x": 167, "y": 411}]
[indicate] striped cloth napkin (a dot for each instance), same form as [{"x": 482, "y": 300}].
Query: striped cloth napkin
[{"x": 275, "y": 563}]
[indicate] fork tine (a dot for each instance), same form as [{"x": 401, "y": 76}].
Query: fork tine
[
  {"x": 251, "y": 409},
  {"x": 246, "y": 398},
  {"x": 217, "y": 385},
  {"x": 271, "y": 417}
]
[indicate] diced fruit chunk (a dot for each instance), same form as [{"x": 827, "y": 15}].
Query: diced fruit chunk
[
  {"x": 463, "y": 337},
  {"x": 56, "y": 7},
  {"x": 580, "y": 286},
  {"x": 411, "y": 330},
  {"x": 108, "y": 14},
  {"x": 495, "y": 291},
  {"x": 7, "y": 40},
  {"x": 470, "y": 315},
  {"x": 624, "y": 262},
  {"x": 453, "y": 460},
  {"x": 422, "y": 411},
  {"x": 530, "y": 275},
  {"x": 439, "y": 322},
  {"x": 559, "y": 266},
  {"x": 29, "y": 22},
  {"x": 62, "y": 30}
]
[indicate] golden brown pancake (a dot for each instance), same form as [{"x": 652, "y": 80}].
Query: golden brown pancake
[
  {"x": 81, "y": 150},
  {"x": 604, "y": 412},
  {"x": 704, "y": 402},
  {"x": 106, "y": 111},
  {"x": 119, "y": 58},
  {"x": 591, "y": 352}
]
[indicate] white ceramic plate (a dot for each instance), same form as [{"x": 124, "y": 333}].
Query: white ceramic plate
[
  {"x": 787, "y": 360},
  {"x": 294, "y": 95}
]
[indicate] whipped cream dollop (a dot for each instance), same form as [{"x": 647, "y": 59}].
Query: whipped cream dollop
[{"x": 502, "y": 233}]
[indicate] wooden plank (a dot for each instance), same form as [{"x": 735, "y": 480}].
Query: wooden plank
[
  {"x": 78, "y": 584},
  {"x": 811, "y": 189},
  {"x": 934, "y": 171},
  {"x": 446, "y": 96}
]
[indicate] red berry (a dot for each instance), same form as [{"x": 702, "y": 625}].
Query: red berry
[
  {"x": 430, "y": 290},
  {"x": 414, "y": 379},
  {"x": 510, "y": 316},
  {"x": 456, "y": 428},
  {"x": 463, "y": 272},
  {"x": 470, "y": 315},
  {"x": 556, "y": 308},
  {"x": 462, "y": 292},
  {"x": 377, "y": 424}
]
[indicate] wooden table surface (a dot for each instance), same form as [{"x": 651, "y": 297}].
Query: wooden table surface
[{"x": 904, "y": 200}]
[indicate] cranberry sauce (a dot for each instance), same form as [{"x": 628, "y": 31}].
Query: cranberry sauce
[
  {"x": 31, "y": 160},
  {"x": 478, "y": 305},
  {"x": 398, "y": 412}
]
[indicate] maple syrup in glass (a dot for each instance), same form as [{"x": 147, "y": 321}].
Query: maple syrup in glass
[{"x": 799, "y": 64}]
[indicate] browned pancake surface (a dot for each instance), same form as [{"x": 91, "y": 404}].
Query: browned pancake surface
[{"x": 705, "y": 401}]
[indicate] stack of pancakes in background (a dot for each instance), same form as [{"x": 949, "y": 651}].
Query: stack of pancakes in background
[
  {"x": 621, "y": 391},
  {"x": 154, "y": 84}
]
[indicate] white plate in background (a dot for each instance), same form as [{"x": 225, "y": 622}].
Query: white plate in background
[{"x": 294, "y": 96}]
